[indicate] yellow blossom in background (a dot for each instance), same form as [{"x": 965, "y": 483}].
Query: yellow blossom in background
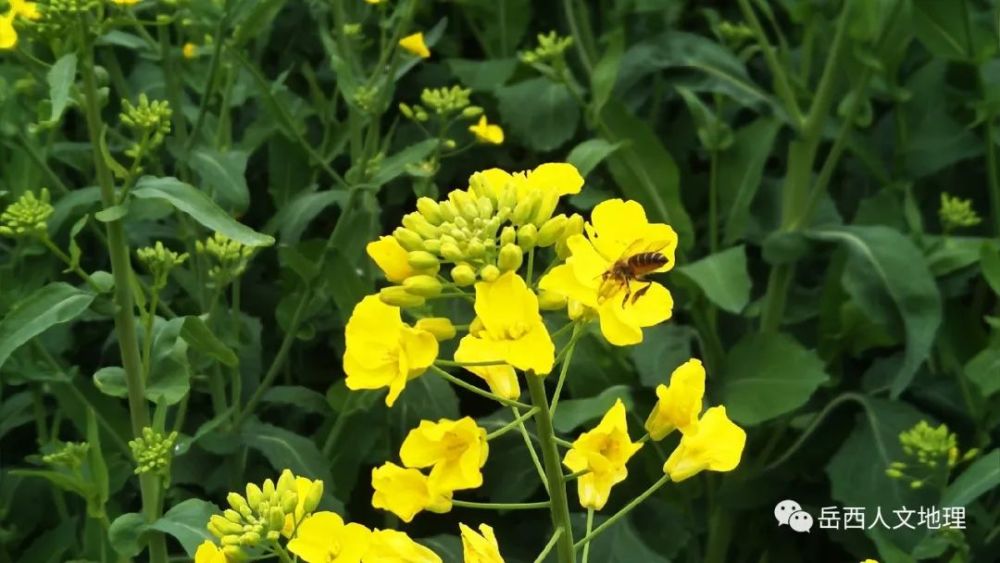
[
  {"x": 309, "y": 493},
  {"x": 189, "y": 50},
  {"x": 325, "y": 538},
  {"x": 456, "y": 450},
  {"x": 487, "y": 132},
  {"x": 415, "y": 44},
  {"x": 374, "y": 2},
  {"x": 511, "y": 331},
  {"x": 870, "y": 561},
  {"x": 616, "y": 227},
  {"x": 382, "y": 350},
  {"x": 391, "y": 258},
  {"x": 441, "y": 327},
  {"x": 714, "y": 444},
  {"x": 678, "y": 404},
  {"x": 208, "y": 552},
  {"x": 125, "y": 2},
  {"x": 391, "y": 546},
  {"x": 407, "y": 492},
  {"x": 480, "y": 547},
  {"x": 603, "y": 452},
  {"x": 25, "y": 9},
  {"x": 8, "y": 35},
  {"x": 541, "y": 188}
]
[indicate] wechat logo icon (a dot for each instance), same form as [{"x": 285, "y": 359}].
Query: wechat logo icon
[{"x": 790, "y": 512}]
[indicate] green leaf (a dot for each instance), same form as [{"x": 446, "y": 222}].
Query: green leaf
[
  {"x": 224, "y": 173},
  {"x": 253, "y": 17},
  {"x": 201, "y": 338},
  {"x": 573, "y": 413},
  {"x": 768, "y": 375},
  {"x": 187, "y": 522},
  {"x": 982, "y": 476},
  {"x": 622, "y": 543},
  {"x": 483, "y": 76},
  {"x": 663, "y": 349},
  {"x": 509, "y": 474},
  {"x": 111, "y": 381},
  {"x": 169, "y": 377},
  {"x": 294, "y": 217},
  {"x": 61, "y": 78},
  {"x": 723, "y": 277},
  {"x": 125, "y": 534},
  {"x": 74, "y": 248},
  {"x": 602, "y": 80},
  {"x": 942, "y": 28},
  {"x": 113, "y": 213},
  {"x": 285, "y": 449},
  {"x": 588, "y": 154},
  {"x": 98, "y": 468},
  {"x": 984, "y": 370},
  {"x": 297, "y": 397},
  {"x": 47, "y": 306},
  {"x": 427, "y": 397},
  {"x": 539, "y": 112},
  {"x": 887, "y": 275},
  {"x": 740, "y": 169},
  {"x": 644, "y": 170},
  {"x": 394, "y": 166},
  {"x": 70, "y": 483},
  {"x": 989, "y": 261},
  {"x": 189, "y": 200}
]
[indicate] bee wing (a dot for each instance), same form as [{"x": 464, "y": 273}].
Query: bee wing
[{"x": 641, "y": 246}]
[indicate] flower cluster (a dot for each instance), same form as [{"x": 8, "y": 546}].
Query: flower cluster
[
  {"x": 70, "y": 456},
  {"x": 931, "y": 453},
  {"x": 27, "y": 216},
  {"x": 149, "y": 121},
  {"x": 229, "y": 258},
  {"x": 153, "y": 451},
  {"x": 160, "y": 260},
  {"x": 957, "y": 213}
]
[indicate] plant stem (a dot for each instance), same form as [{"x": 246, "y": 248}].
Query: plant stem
[
  {"x": 553, "y": 470},
  {"x": 121, "y": 270},
  {"x": 531, "y": 447},
  {"x": 548, "y": 547},
  {"x": 590, "y": 528},
  {"x": 69, "y": 262},
  {"x": 518, "y": 420},
  {"x": 713, "y": 201},
  {"x": 584, "y": 43},
  {"x": 991, "y": 169},
  {"x": 781, "y": 82},
  {"x": 501, "y": 505},
  {"x": 481, "y": 392},
  {"x": 564, "y": 368},
  {"x": 624, "y": 511}
]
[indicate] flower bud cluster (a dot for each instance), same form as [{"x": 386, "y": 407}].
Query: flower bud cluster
[
  {"x": 60, "y": 18},
  {"x": 27, "y": 216},
  {"x": 930, "y": 451},
  {"x": 261, "y": 515},
  {"x": 70, "y": 456},
  {"x": 445, "y": 103},
  {"x": 230, "y": 258},
  {"x": 160, "y": 260},
  {"x": 149, "y": 120},
  {"x": 551, "y": 49},
  {"x": 956, "y": 213},
  {"x": 153, "y": 451}
]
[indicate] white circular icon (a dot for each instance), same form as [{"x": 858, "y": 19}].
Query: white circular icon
[
  {"x": 801, "y": 521},
  {"x": 784, "y": 510}
]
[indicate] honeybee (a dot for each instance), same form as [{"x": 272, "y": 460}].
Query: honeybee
[{"x": 638, "y": 260}]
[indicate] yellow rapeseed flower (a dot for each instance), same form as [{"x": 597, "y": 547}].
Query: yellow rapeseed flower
[
  {"x": 25, "y": 9},
  {"x": 415, "y": 44},
  {"x": 441, "y": 327},
  {"x": 189, "y": 50},
  {"x": 407, "y": 492},
  {"x": 391, "y": 258},
  {"x": 309, "y": 493},
  {"x": 382, "y": 350},
  {"x": 374, "y": 2},
  {"x": 715, "y": 443},
  {"x": 616, "y": 228},
  {"x": 509, "y": 328},
  {"x": 603, "y": 452},
  {"x": 125, "y": 2},
  {"x": 8, "y": 35},
  {"x": 678, "y": 404},
  {"x": 455, "y": 450},
  {"x": 208, "y": 552},
  {"x": 487, "y": 132},
  {"x": 324, "y": 537},
  {"x": 480, "y": 547},
  {"x": 392, "y": 546}
]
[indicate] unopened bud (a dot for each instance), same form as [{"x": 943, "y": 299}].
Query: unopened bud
[
  {"x": 254, "y": 495},
  {"x": 430, "y": 210},
  {"x": 238, "y": 503},
  {"x": 527, "y": 236},
  {"x": 422, "y": 260},
  {"x": 489, "y": 273},
  {"x": 417, "y": 222},
  {"x": 398, "y": 296},
  {"x": 575, "y": 309},
  {"x": 276, "y": 518},
  {"x": 286, "y": 482},
  {"x": 451, "y": 251},
  {"x": 447, "y": 210},
  {"x": 475, "y": 249},
  {"x": 508, "y": 235},
  {"x": 406, "y": 110},
  {"x": 551, "y": 230},
  {"x": 510, "y": 258},
  {"x": 525, "y": 209},
  {"x": 485, "y": 207},
  {"x": 408, "y": 239},
  {"x": 440, "y": 327},
  {"x": 424, "y": 286},
  {"x": 250, "y": 539},
  {"x": 268, "y": 489},
  {"x": 463, "y": 275},
  {"x": 546, "y": 206},
  {"x": 313, "y": 496},
  {"x": 472, "y": 112},
  {"x": 551, "y": 301}
]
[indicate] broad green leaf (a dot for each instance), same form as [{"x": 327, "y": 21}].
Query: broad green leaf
[
  {"x": 483, "y": 76},
  {"x": 573, "y": 413},
  {"x": 15, "y": 411},
  {"x": 187, "y": 522},
  {"x": 98, "y": 468},
  {"x": 427, "y": 397},
  {"x": 61, "y": 78},
  {"x": 740, "y": 171},
  {"x": 169, "y": 377},
  {"x": 984, "y": 370},
  {"x": 887, "y": 275},
  {"x": 293, "y": 218},
  {"x": 982, "y": 476},
  {"x": 622, "y": 543},
  {"x": 768, "y": 375},
  {"x": 125, "y": 534},
  {"x": 193, "y": 202},
  {"x": 113, "y": 213},
  {"x": 74, "y": 248},
  {"x": 253, "y": 16},
  {"x": 713, "y": 132},
  {"x": 943, "y": 28},
  {"x": 447, "y": 547},
  {"x": 602, "y": 80},
  {"x": 224, "y": 173},
  {"x": 509, "y": 474},
  {"x": 47, "y": 306},
  {"x": 664, "y": 347},
  {"x": 394, "y": 166},
  {"x": 588, "y": 154},
  {"x": 723, "y": 277},
  {"x": 285, "y": 449},
  {"x": 540, "y": 113},
  {"x": 51, "y": 546},
  {"x": 989, "y": 261},
  {"x": 644, "y": 170},
  {"x": 296, "y": 397},
  {"x": 70, "y": 483},
  {"x": 111, "y": 381},
  {"x": 201, "y": 338}
]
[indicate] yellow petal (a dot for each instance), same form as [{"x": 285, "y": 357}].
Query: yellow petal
[
  {"x": 559, "y": 177},
  {"x": 415, "y": 44},
  {"x": 208, "y": 552},
  {"x": 617, "y": 224},
  {"x": 480, "y": 547},
  {"x": 678, "y": 405},
  {"x": 8, "y": 36},
  {"x": 405, "y": 492},
  {"x": 501, "y": 379},
  {"x": 391, "y": 258},
  {"x": 534, "y": 351},
  {"x": 562, "y": 280},
  {"x": 420, "y": 348},
  {"x": 715, "y": 443}
]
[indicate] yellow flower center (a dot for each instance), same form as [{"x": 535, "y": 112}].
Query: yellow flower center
[{"x": 516, "y": 330}]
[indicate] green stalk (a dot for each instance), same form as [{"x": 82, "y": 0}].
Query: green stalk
[
  {"x": 590, "y": 528},
  {"x": 121, "y": 270},
  {"x": 781, "y": 82},
  {"x": 518, "y": 420},
  {"x": 548, "y": 547},
  {"x": 501, "y": 505},
  {"x": 624, "y": 511},
  {"x": 553, "y": 470},
  {"x": 991, "y": 169}
]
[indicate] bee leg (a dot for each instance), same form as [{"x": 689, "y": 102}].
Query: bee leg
[
  {"x": 628, "y": 293},
  {"x": 641, "y": 292}
]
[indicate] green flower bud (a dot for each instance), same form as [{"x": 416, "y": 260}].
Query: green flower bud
[
  {"x": 239, "y": 503},
  {"x": 510, "y": 258},
  {"x": 417, "y": 222},
  {"x": 250, "y": 539},
  {"x": 475, "y": 249},
  {"x": 448, "y": 210},
  {"x": 508, "y": 235},
  {"x": 408, "y": 239},
  {"x": 893, "y": 473},
  {"x": 28, "y": 216},
  {"x": 422, "y": 260},
  {"x": 313, "y": 496},
  {"x": 232, "y": 515},
  {"x": 424, "y": 286},
  {"x": 508, "y": 197},
  {"x": 525, "y": 209},
  {"x": 463, "y": 275},
  {"x": 573, "y": 226},
  {"x": 916, "y": 484},
  {"x": 450, "y": 144},
  {"x": 231, "y": 540},
  {"x": 430, "y": 210},
  {"x": 406, "y": 111},
  {"x": 398, "y": 296},
  {"x": 254, "y": 495},
  {"x": 551, "y": 230},
  {"x": 472, "y": 112},
  {"x": 288, "y": 501},
  {"x": 269, "y": 490},
  {"x": 550, "y": 301},
  {"x": 451, "y": 252},
  {"x": 489, "y": 273},
  {"x": 233, "y": 553},
  {"x": 433, "y": 246},
  {"x": 527, "y": 236},
  {"x": 276, "y": 518}
]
